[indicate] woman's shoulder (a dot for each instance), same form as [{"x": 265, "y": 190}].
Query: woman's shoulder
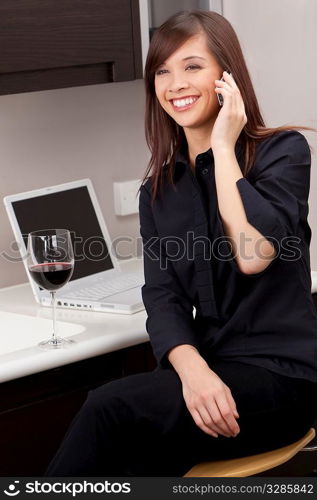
[
  {"x": 291, "y": 145},
  {"x": 147, "y": 184},
  {"x": 145, "y": 192}
]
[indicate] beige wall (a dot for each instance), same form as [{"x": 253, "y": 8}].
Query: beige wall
[
  {"x": 97, "y": 131},
  {"x": 57, "y": 136},
  {"x": 279, "y": 40}
]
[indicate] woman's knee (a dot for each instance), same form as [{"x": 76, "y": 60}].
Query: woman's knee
[
  {"x": 100, "y": 398},
  {"x": 136, "y": 395}
]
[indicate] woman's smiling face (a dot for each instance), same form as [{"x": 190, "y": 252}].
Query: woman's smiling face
[{"x": 185, "y": 83}]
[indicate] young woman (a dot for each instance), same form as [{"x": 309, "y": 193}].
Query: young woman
[{"x": 224, "y": 225}]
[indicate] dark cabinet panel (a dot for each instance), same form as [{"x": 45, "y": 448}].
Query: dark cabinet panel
[
  {"x": 46, "y": 44},
  {"x": 35, "y": 411}
]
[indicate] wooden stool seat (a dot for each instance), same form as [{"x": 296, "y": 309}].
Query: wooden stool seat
[{"x": 248, "y": 466}]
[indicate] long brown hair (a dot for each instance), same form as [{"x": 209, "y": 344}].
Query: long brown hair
[{"x": 163, "y": 135}]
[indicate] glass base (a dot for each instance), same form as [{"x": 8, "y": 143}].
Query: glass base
[{"x": 57, "y": 343}]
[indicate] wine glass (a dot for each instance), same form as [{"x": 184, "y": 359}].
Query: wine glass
[{"x": 50, "y": 261}]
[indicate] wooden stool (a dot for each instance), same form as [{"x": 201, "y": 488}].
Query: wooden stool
[{"x": 248, "y": 466}]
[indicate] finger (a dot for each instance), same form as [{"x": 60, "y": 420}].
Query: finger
[
  {"x": 225, "y": 94},
  {"x": 209, "y": 422},
  {"x": 232, "y": 402},
  {"x": 226, "y": 413},
  {"x": 221, "y": 83},
  {"x": 198, "y": 421},
  {"x": 229, "y": 78},
  {"x": 218, "y": 419},
  {"x": 237, "y": 102},
  {"x": 233, "y": 99},
  {"x": 224, "y": 85},
  {"x": 223, "y": 91}
]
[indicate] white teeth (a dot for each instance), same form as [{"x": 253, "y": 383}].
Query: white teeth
[{"x": 184, "y": 102}]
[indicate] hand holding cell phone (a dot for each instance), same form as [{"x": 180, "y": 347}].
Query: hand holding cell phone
[
  {"x": 231, "y": 117},
  {"x": 219, "y": 96}
]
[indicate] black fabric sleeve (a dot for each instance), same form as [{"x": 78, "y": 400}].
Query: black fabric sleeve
[
  {"x": 277, "y": 197},
  {"x": 170, "y": 313}
]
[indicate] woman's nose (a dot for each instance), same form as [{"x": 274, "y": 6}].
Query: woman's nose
[
  {"x": 177, "y": 88},
  {"x": 177, "y": 84}
]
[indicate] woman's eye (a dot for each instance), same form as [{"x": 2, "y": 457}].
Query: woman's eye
[
  {"x": 191, "y": 66},
  {"x": 160, "y": 71}
]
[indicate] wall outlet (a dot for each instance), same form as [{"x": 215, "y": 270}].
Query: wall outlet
[{"x": 126, "y": 197}]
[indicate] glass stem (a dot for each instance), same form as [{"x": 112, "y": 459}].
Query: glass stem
[{"x": 54, "y": 337}]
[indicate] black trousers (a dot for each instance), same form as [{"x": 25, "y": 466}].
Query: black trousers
[{"x": 140, "y": 425}]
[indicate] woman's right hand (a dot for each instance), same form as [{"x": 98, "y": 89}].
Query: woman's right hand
[{"x": 209, "y": 400}]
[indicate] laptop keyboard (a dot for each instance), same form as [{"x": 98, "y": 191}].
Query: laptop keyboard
[{"x": 105, "y": 289}]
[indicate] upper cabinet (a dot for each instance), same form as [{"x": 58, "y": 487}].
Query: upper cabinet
[
  {"x": 155, "y": 12},
  {"x": 161, "y": 10},
  {"x": 49, "y": 44},
  {"x": 45, "y": 44}
]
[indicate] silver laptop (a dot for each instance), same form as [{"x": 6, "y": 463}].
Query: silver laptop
[{"x": 97, "y": 283}]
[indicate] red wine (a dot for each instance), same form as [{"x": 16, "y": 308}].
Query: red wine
[{"x": 51, "y": 276}]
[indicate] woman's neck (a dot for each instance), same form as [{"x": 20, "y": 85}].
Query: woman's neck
[{"x": 198, "y": 142}]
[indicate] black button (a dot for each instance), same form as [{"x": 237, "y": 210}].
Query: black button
[{"x": 205, "y": 171}]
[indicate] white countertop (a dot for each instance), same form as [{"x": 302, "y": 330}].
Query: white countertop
[{"x": 24, "y": 323}]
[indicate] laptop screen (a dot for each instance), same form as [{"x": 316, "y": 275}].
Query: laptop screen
[{"x": 71, "y": 209}]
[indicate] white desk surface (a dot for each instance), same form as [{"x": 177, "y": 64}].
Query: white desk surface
[{"x": 24, "y": 323}]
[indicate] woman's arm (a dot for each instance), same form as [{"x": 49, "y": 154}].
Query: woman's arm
[
  {"x": 207, "y": 397},
  {"x": 170, "y": 319},
  {"x": 275, "y": 202},
  {"x": 258, "y": 216},
  {"x": 252, "y": 250},
  {"x": 171, "y": 329}
]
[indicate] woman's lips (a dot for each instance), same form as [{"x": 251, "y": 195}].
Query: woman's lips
[{"x": 184, "y": 108}]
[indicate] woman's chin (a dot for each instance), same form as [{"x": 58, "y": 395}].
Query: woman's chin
[
  {"x": 193, "y": 124},
  {"x": 188, "y": 122}
]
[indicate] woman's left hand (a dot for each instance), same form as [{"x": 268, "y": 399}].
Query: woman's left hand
[{"x": 231, "y": 117}]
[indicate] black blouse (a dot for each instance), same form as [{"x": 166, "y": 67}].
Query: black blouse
[{"x": 267, "y": 318}]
